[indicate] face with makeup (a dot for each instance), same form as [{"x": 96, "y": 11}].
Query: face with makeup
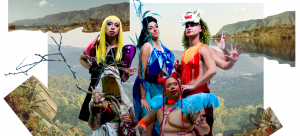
[
  {"x": 112, "y": 28},
  {"x": 192, "y": 29},
  {"x": 153, "y": 28},
  {"x": 172, "y": 89}
]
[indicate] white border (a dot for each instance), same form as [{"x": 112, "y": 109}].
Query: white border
[{"x": 280, "y": 81}]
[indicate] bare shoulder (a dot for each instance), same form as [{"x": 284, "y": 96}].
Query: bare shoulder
[
  {"x": 212, "y": 49},
  {"x": 145, "y": 47},
  {"x": 204, "y": 48},
  {"x": 145, "y": 50}
]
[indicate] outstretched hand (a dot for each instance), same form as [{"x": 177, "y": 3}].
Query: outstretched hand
[
  {"x": 234, "y": 54},
  {"x": 145, "y": 103},
  {"x": 199, "y": 121},
  {"x": 222, "y": 44},
  {"x": 201, "y": 124},
  {"x": 96, "y": 96},
  {"x": 130, "y": 71}
]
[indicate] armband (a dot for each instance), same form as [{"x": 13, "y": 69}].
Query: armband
[
  {"x": 208, "y": 130},
  {"x": 142, "y": 122},
  {"x": 142, "y": 80}
]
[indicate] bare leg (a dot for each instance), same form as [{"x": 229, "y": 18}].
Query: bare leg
[{"x": 150, "y": 129}]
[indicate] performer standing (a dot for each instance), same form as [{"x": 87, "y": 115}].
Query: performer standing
[
  {"x": 178, "y": 116},
  {"x": 105, "y": 49},
  {"x": 198, "y": 64},
  {"x": 155, "y": 61},
  {"x": 224, "y": 61}
]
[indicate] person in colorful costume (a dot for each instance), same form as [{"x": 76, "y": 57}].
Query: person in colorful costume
[
  {"x": 169, "y": 107},
  {"x": 224, "y": 61},
  {"x": 110, "y": 107},
  {"x": 155, "y": 61},
  {"x": 198, "y": 63},
  {"x": 104, "y": 50}
]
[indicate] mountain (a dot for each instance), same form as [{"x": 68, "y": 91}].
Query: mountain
[
  {"x": 245, "y": 64},
  {"x": 287, "y": 18},
  {"x": 245, "y": 77},
  {"x": 65, "y": 18}
]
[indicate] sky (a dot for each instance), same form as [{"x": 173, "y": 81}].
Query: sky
[
  {"x": 281, "y": 82},
  {"x": 32, "y": 9},
  {"x": 216, "y": 15}
]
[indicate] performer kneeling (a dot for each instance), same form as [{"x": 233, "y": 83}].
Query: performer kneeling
[{"x": 168, "y": 110}]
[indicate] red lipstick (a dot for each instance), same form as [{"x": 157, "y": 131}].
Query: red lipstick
[{"x": 112, "y": 32}]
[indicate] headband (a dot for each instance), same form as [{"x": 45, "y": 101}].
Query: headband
[{"x": 162, "y": 81}]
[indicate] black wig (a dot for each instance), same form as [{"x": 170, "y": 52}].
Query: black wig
[{"x": 144, "y": 31}]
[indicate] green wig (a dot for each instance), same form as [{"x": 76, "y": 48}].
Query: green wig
[{"x": 205, "y": 36}]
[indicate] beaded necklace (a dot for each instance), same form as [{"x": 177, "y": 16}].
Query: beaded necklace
[{"x": 165, "y": 117}]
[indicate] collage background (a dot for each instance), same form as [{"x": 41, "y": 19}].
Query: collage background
[{"x": 281, "y": 82}]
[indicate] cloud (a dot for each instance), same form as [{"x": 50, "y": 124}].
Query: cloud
[
  {"x": 51, "y": 5},
  {"x": 42, "y": 3},
  {"x": 243, "y": 9},
  {"x": 251, "y": 10},
  {"x": 235, "y": 9}
]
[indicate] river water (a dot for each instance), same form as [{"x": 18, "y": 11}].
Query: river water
[{"x": 282, "y": 50}]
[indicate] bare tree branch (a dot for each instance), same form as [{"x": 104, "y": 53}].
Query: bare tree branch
[{"x": 114, "y": 64}]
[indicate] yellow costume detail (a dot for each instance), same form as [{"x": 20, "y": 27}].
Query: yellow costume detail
[{"x": 190, "y": 52}]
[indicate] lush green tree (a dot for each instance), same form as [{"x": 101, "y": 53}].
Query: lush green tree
[{"x": 231, "y": 119}]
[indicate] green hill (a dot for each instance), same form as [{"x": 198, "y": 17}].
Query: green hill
[
  {"x": 80, "y": 16},
  {"x": 287, "y": 18},
  {"x": 240, "y": 94}
]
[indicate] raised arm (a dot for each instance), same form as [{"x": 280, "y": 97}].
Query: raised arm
[
  {"x": 226, "y": 65},
  {"x": 95, "y": 117},
  {"x": 148, "y": 119},
  {"x": 144, "y": 55},
  {"x": 208, "y": 75},
  {"x": 199, "y": 121},
  {"x": 96, "y": 108},
  {"x": 222, "y": 46},
  {"x": 225, "y": 61},
  {"x": 219, "y": 55}
]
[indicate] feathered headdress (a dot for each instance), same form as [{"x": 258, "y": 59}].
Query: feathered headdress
[
  {"x": 142, "y": 15},
  {"x": 191, "y": 17}
]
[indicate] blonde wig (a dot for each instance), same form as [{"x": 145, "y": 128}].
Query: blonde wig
[{"x": 101, "y": 49}]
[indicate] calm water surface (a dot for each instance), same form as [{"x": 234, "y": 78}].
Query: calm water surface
[{"x": 282, "y": 50}]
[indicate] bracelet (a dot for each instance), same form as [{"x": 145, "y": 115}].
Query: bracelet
[
  {"x": 208, "y": 130},
  {"x": 94, "y": 105},
  {"x": 142, "y": 80}
]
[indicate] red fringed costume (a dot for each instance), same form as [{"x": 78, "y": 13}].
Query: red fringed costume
[{"x": 190, "y": 69}]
